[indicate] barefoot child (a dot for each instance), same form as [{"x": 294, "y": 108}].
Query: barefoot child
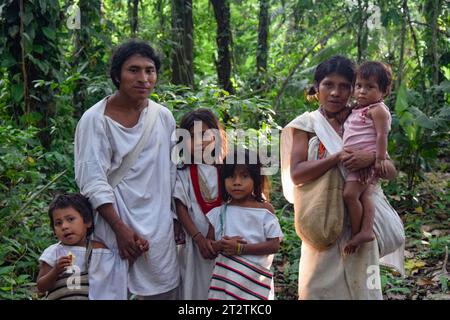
[
  {"x": 366, "y": 128},
  {"x": 250, "y": 227},
  {"x": 197, "y": 192},
  {"x": 71, "y": 219}
]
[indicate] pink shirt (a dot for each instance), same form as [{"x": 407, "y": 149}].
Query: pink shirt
[{"x": 360, "y": 133}]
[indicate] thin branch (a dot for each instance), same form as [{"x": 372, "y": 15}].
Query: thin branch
[
  {"x": 300, "y": 61},
  {"x": 17, "y": 214},
  {"x": 26, "y": 95},
  {"x": 426, "y": 25}
]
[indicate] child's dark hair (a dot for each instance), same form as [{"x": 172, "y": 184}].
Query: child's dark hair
[
  {"x": 381, "y": 71},
  {"x": 336, "y": 64},
  {"x": 76, "y": 201},
  {"x": 210, "y": 119},
  {"x": 260, "y": 182},
  {"x": 126, "y": 50}
]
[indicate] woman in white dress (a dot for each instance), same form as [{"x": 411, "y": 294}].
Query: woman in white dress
[{"x": 311, "y": 145}]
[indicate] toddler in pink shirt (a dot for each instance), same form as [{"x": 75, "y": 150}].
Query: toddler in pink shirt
[{"x": 366, "y": 128}]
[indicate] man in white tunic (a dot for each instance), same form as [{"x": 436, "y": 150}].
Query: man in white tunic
[{"x": 134, "y": 217}]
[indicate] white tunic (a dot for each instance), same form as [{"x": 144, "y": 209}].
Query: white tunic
[
  {"x": 255, "y": 225},
  {"x": 142, "y": 198},
  {"x": 196, "y": 271},
  {"x": 104, "y": 281}
]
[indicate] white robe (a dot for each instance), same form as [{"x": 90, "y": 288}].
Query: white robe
[
  {"x": 103, "y": 278},
  {"x": 329, "y": 274},
  {"x": 142, "y": 199},
  {"x": 196, "y": 271}
]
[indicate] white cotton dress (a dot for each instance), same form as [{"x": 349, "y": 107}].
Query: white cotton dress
[
  {"x": 255, "y": 225},
  {"x": 196, "y": 271},
  {"x": 329, "y": 274}
]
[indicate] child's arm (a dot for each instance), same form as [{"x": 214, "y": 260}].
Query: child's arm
[
  {"x": 203, "y": 243},
  {"x": 232, "y": 246},
  {"x": 48, "y": 275},
  {"x": 380, "y": 117}
]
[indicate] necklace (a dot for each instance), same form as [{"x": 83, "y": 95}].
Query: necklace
[{"x": 340, "y": 129}]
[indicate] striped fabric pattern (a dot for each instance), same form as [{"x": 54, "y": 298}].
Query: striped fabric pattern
[
  {"x": 61, "y": 292},
  {"x": 236, "y": 278}
]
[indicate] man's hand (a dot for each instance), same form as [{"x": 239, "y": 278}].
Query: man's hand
[{"x": 127, "y": 242}]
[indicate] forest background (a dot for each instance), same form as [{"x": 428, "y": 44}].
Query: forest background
[{"x": 249, "y": 61}]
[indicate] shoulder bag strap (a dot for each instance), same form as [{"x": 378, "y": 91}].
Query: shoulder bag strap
[
  {"x": 223, "y": 211},
  {"x": 87, "y": 255},
  {"x": 152, "y": 114}
]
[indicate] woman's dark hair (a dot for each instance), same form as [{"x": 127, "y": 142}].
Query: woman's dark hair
[
  {"x": 260, "y": 182},
  {"x": 381, "y": 71},
  {"x": 76, "y": 201},
  {"x": 210, "y": 119},
  {"x": 336, "y": 64},
  {"x": 126, "y": 50}
]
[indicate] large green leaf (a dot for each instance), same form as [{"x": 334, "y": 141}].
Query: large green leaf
[
  {"x": 17, "y": 92},
  {"x": 49, "y": 33}
]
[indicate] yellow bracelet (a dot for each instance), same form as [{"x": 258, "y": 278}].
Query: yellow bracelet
[{"x": 238, "y": 249}]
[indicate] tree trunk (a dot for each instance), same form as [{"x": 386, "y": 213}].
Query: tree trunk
[
  {"x": 362, "y": 32},
  {"x": 263, "y": 31},
  {"x": 182, "y": 34},
  {"x": 223, "y": 39},
  {"x": 133, "y": 10},
  {"x": 402, "y": 43},
  {"x": 434, "y": 42}
]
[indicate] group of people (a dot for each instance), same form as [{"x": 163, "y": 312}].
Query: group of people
[{"x": 147, "y": 227}]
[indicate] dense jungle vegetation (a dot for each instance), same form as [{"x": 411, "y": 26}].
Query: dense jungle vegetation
[{"x": 251, "y": 62}]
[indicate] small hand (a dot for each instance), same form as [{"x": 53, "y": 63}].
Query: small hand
[
  {"x": 381, "y": 167},
  {"x": 205, "y": 246},
  {"x": 230, "y": 244},
  {"x": 180, "y": 235},
  {"x": 141, "y": 243},
  {"x": 354, "y": 160},
  {"x": 62, "y": 263}
]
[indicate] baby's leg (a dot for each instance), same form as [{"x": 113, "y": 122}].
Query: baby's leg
[
  {"x": 352, "y": 194},
  {"x": 366, "y": 233}
]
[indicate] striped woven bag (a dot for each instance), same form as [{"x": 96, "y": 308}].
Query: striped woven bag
[{"x": 237, "y": 278}]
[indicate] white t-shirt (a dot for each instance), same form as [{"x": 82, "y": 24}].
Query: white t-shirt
[{"x": 104, "y": 282}]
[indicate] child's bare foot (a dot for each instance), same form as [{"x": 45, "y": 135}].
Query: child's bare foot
[{"x": 358, "y": 239}]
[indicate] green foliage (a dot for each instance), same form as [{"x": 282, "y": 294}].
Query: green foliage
[
  {"x": 420, "y": 130},
  {"x": 67, "y": 74}
]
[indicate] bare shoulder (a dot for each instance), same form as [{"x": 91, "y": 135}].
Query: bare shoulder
[
  {"x": 267, "y": 205},
  {"x": 98, "y": 245},
  {"x": 379, "y": 110}
]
